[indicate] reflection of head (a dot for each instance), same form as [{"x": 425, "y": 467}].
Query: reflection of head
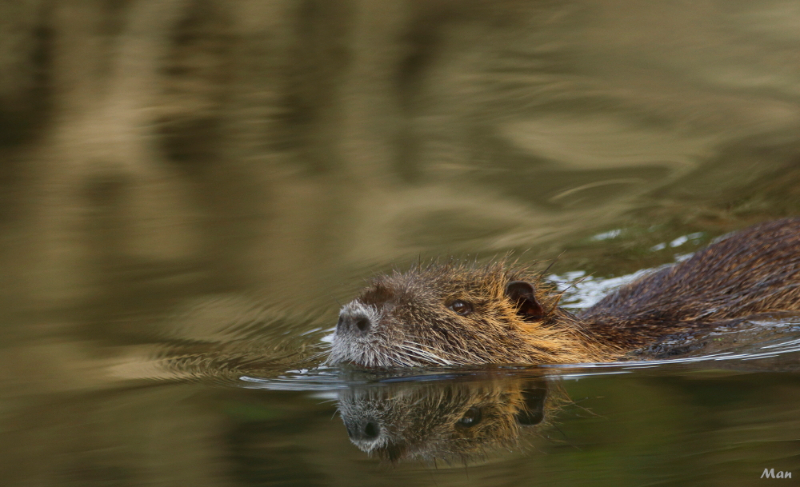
[{"x": 442, "y": 420}]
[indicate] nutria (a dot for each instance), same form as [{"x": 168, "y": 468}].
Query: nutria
[{"x": 461, "y": 314}]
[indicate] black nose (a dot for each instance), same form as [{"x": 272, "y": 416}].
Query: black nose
[{"x": 358, "y": 323}]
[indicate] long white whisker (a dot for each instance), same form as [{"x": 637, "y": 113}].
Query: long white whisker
[{"x": 407, "y": 346}]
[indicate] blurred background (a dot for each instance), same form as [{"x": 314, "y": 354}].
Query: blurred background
[{"x": 183, "y": 174}]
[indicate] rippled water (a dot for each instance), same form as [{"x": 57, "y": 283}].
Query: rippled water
[{"x": 190, "y": 189}]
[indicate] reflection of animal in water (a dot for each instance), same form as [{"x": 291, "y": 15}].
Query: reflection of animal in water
[
  {"x": 443, "y": 420},
  {"x": 455, "y": 314}
]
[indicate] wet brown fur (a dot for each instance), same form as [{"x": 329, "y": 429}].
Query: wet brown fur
[
  {"x": 751, "y": 272},
  {"x": 425, "y": 421},
  {"x": 755, "y": 271}
]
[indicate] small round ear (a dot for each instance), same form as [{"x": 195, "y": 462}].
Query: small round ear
[{"x": 523, "y": 294}]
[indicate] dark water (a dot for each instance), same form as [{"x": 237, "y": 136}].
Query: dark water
[{"x": 189, "y": 190}]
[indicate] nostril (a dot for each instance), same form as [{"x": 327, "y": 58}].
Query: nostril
[
  {"x": 371, "y": 431},
  {"x": 354, "y": 322},
  {"x": 368, "y": 430},
  {"x": 362, "y": 323}
]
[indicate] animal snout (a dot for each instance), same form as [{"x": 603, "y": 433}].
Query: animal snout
[
  {"x": 357, "y": 323},
  {"x": 368, "y": 430}
]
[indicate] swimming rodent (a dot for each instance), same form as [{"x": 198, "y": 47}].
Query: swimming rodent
[{"x": 461, "y": 314}]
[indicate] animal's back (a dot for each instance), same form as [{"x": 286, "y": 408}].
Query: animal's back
[{"x": 750, "y": 272}]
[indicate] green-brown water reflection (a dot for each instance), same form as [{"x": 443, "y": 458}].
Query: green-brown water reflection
[
  {"x": 450, "y": 421},
  {"x": 188, "y": 190}
]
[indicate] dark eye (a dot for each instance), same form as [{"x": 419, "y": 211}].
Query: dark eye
[
  {"x": 461, "y": 307},
  {"x": 470, "y": 418}
]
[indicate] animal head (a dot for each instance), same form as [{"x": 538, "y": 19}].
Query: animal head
[{"x": 457, "y": 314}]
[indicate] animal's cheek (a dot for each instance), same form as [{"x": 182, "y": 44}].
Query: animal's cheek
[
  {"x": 396, "y": 317},
  {"x": 388, "y": 324},
  {"x": 487, "y": 320},
  {"x": 399, "y": 327}
]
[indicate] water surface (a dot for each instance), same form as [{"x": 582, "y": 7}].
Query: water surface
[{"x": 190, "y": 189}]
